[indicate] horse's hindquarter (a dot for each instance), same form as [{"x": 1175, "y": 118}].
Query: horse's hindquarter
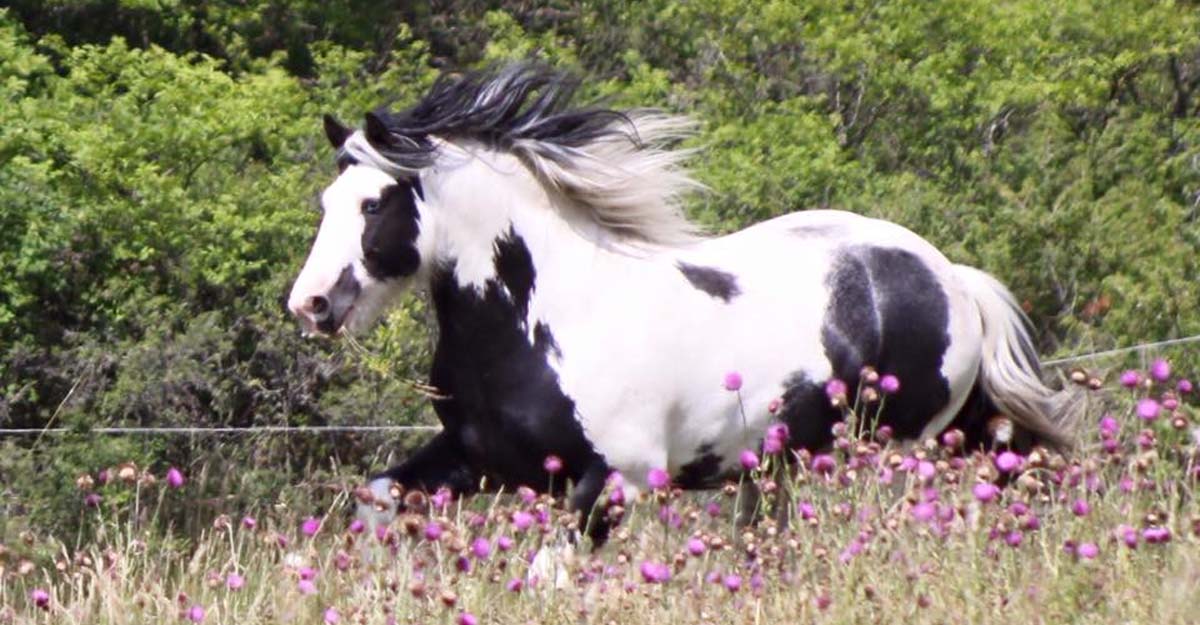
[{"x": 648, "y": 376}]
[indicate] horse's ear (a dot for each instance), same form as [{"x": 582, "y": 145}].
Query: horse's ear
[
  {"x": 376, "y": 130},
  {"x": 335, "y": 131}
]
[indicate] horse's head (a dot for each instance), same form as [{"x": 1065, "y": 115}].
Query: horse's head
[
  {"x": 479, "y": 159},
  {"x": 374, "y": 239}
]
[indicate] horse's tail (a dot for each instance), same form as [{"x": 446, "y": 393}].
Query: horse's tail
[{"x": 1009, "y": 373}]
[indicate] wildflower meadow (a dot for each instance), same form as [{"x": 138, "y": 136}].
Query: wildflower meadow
[{"x": 870, "y": 531}]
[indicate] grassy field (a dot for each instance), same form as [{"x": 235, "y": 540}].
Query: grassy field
[{"x": 879, "y": 533}]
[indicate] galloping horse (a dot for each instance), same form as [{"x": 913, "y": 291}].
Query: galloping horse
[{"x": 581, "y": 315}]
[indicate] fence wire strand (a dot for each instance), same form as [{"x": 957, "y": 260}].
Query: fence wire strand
[{"x": 376, "y": 429}]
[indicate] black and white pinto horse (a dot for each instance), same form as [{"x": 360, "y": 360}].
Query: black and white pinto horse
[{"x": 581, "y": 315}]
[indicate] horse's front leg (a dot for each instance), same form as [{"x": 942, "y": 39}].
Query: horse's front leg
[{"x": 439, "y": 463}]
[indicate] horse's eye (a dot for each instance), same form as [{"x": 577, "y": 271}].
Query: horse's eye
[{"x": 370, "y": 206}]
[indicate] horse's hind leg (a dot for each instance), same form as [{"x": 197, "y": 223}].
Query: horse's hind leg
[
  {"x": 439, "y": 463},
  {"x": 584, "y": 496}
]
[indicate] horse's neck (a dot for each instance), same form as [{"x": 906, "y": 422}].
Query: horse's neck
[{"x": 539, "y": 266}]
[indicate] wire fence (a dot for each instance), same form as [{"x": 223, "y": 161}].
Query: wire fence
[{"x": 391, "y": 429}]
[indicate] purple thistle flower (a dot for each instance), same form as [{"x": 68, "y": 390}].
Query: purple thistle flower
[
  {"x": 806, "y": 510},
  {"x": 655, "y": 572},
  {"x": 889, "y": 384},
  {"x": 504, "y": 543},
  {"x": 527, "y": 494},
  {"x": 1147, "y": 409},
  {"x": 234, "y": 581},
  {"x": 1087, "y": 551},
  {"x": 1184, "y": 386},
  {"x": 823, "y": 463},
  {"x": 1008, "y": 461},
  {"x": 1108, "y": 425},
  {"x": 481, "y": 548},
  {"x": 306, "y": 587},
  {"x": 331, "y": 615},
  {"x": 658, "y": 479},
  {"x": 441, "y": 498},
  {"x": 514, "y": 585},
  {"x": 924, "y": 512},
  {"x": 1128, "y": 535},
  {"x": 433, "y": 531},
  {"x": 522, "y": 520},
  {"x": 310, "y": 526},
  {"x": 1081, "y": 508},
  {"x": 552, "y": 464},
  {"x": 1160, "y": 370},
  {"x": 779, "y": 431},
  {"x": 1013, "y": 538},
  {"x": 713, "y": 509},
  {"x": 771, "y": 446},
  {"x": 732, "y": 381},
  {"x": 357, "y": 526},
  {"x": 985, "y": 491},
  {"x": 1156, "y": 535},
  {"x": 40, "y": 598},
  {"x": 195, "y": 613},
  {"x": 696, "y": 547},
  {"x": 92, "y": 500},
  {"x": 174, "y": 478},
  {"x": 748, "y": 459},
  {"x": 466, "y": 618},
  {"x": 249, "y": 523},
  {"x": 926, "y": 470},
  {"x": 307, "y": 572},
  {"x": 732, "y": 582},
  {"x": 1130, "y": 378},
  {"x": 835, "y": 389},
  {"x": 952, "y": 439}
]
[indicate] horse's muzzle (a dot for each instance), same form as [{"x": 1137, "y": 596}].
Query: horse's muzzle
[{"x": 327, "y": 312}]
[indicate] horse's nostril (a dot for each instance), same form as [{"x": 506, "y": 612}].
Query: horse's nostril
[{"x": 318, "y": 305}]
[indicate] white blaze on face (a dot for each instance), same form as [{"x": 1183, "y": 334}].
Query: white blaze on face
[{"x": 338, "y": 245}]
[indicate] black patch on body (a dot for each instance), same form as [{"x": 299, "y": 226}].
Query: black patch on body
[
  {"x": 719, "y": 284},
  {"x": 702, "y": 472},
  {"x": 389, "y": 238},
  {"x": 887, "y": 310},
  {"x": 505, "y": 411}
]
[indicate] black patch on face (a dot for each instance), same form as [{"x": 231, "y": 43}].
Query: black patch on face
[
  {"x": 888, "y": 310},
  {"x": 505, "y": 405},
  {"x": 702, "y": 472},
  {"x": 719, "y": 284},
  {"x": 389, "y": 238}
]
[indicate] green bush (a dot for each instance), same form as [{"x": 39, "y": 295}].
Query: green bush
[{"x": 159, "y": 163}]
